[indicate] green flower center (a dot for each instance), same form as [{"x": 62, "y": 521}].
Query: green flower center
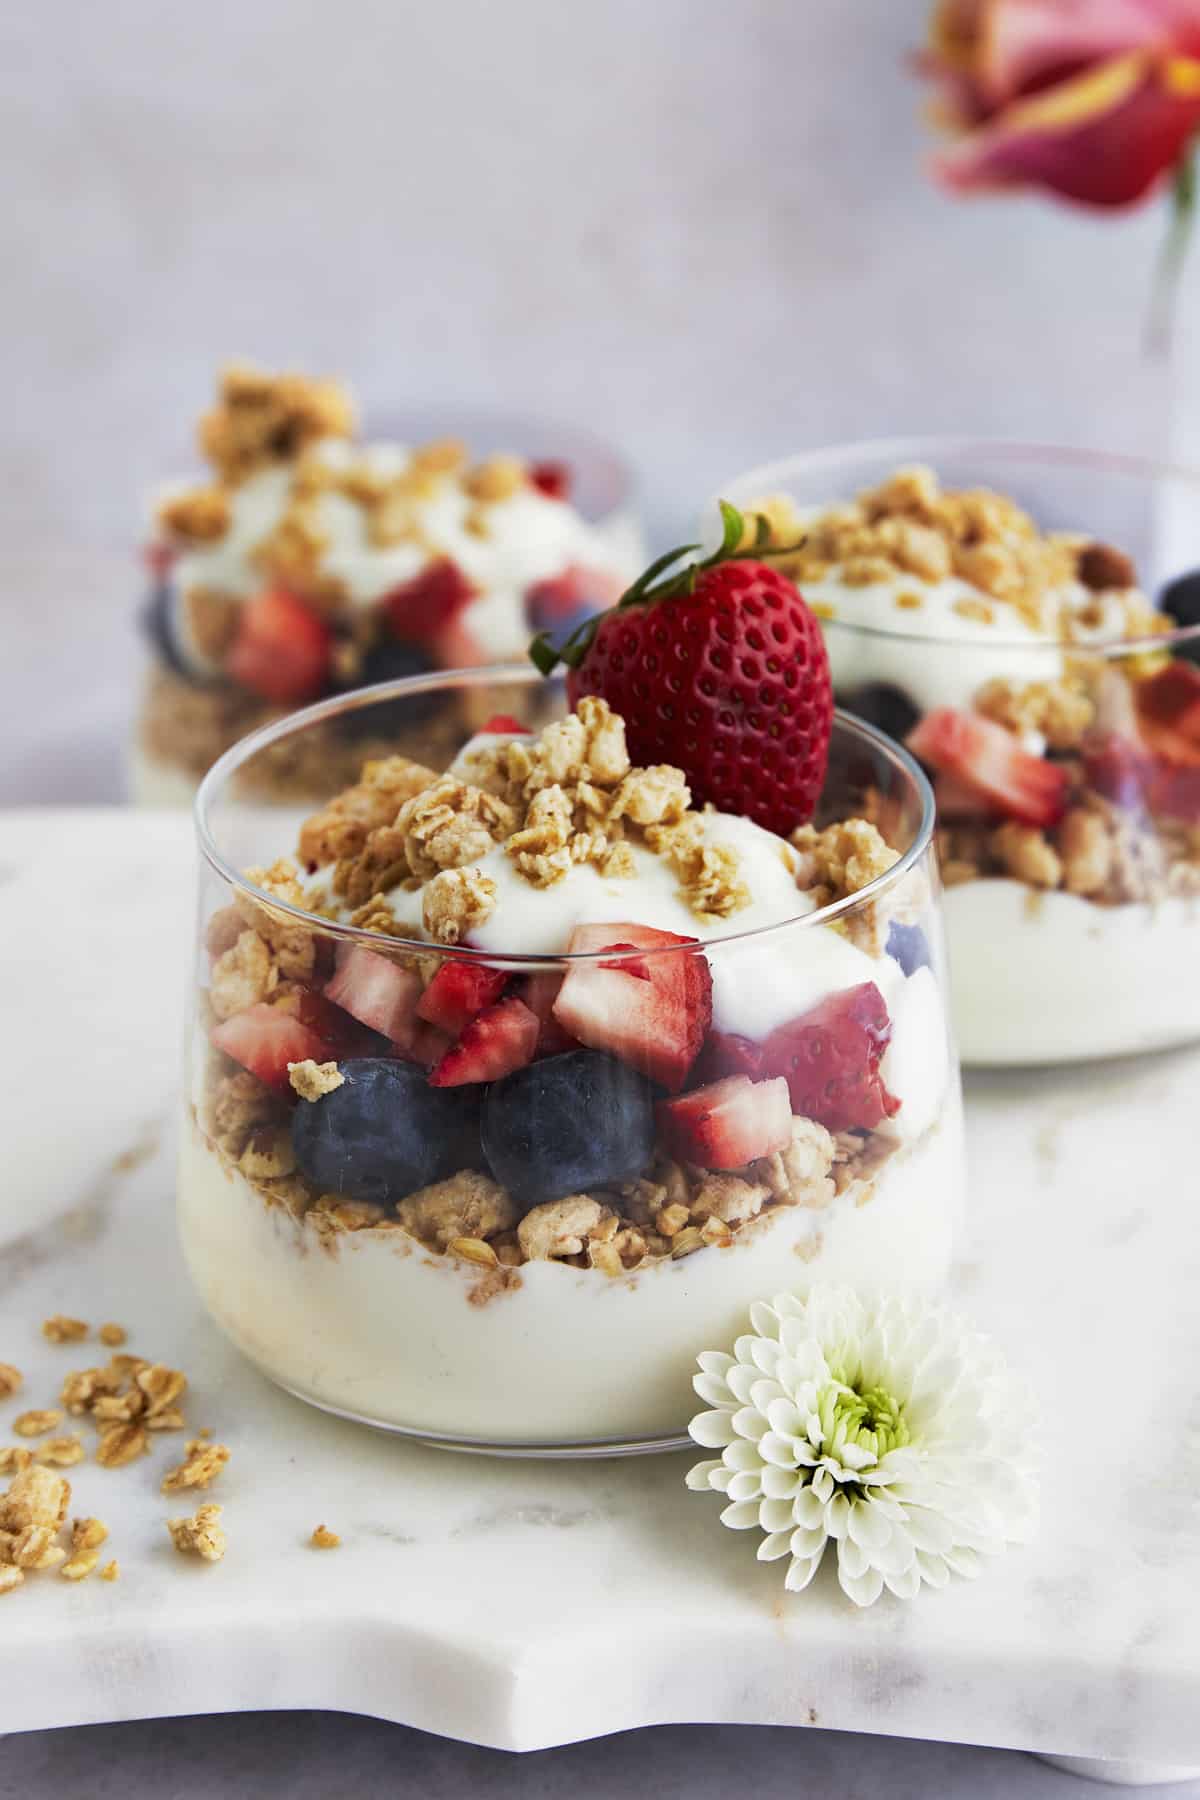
[{"x": 868, "y": 1417}]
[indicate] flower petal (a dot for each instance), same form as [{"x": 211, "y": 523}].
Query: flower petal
[
  {"x": 712, "y": 1389},
  {"x": 1103, "y": 138},
  {"x": 698, "y": 1476},
  {"x": 742, "y": 1515},
  {"x": 867, "y": 1525},
  {"x": 776, "y": 1515},
  {"x": 746, "y": 1485},
  {"x": 775, "y": 1545},
  {"x": 801, "y": 1571},
  {"x": 906, "y": 1585},
  {"x": 863, "y": 1589},
  {"x": 712, "y": 1430}
]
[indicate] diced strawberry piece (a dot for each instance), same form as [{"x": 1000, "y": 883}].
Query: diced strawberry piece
[
  {"x": 1175, "y": 794},
  {"x": 420, "y": 610},
  {"x": 267, "y": 1037},
  {"x": 504, "y": 725},
  {"x": 829, "y": 1057},
  {"x": 502, "y": 1038},
  {"x": 539, "y": 992},
  {"x": 987, "y": 757},
  {"x": 457, "y": 993},
  {"x": 281, "y": 650},
  {"x": 655, "y": 1025},
  {"x": 728, "y": 1123},
  {"x": 551, "y": 478},
  {"x": 573, "y": 594},
  {"x": 376, "y": 991},
  {"x": 1168, "y": 711},
  {"x": 957, "y": 799}
]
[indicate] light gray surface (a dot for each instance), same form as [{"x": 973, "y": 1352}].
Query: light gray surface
[{"x": 311, "y": 1755}]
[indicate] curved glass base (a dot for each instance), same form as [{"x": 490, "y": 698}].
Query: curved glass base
[
  {"x": 589, "y": 1449},
  {"x": 1119, "y": 1774}
]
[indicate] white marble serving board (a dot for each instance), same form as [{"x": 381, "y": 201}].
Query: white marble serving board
[{"x": 525, "y": 1605}]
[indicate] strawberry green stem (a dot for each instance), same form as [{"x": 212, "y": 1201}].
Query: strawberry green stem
[{"x": 649, "y": 589}]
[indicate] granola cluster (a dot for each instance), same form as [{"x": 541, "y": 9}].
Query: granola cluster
[
  {"x": 1099, "y": 851},
  {"x": 911, "y": 526},
  {"x": 565, "y": 797}
]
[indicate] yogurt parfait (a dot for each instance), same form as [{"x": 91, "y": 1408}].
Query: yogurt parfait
[
  {"x": 1048, "y": 678},
  {"x": 309, "y": 562},
  {"x": 514, "y": 1083}
]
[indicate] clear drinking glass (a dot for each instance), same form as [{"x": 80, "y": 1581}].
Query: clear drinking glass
[
  {"x": 1078, "y": 938},
  {"x": 407, "y": 1260}
]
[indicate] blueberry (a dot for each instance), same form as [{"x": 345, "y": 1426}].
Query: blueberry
[
  {"x": 1180, "y": 599},
  {"x": 888, "y": 708},
  {"x": 157, "y": 623},
  {"x": 908, "y": 945},
  {"x": 385, "y": 1132},
  {"x": 567, "y": 1124},
  {"x": 390, "y": 660}
]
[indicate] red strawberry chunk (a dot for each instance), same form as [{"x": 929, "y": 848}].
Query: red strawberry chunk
[
  {"x": 457, "y": 993},
  {"x": 376, "y": 991},
  {"x": 728, "y": 1123},
  {"x": 502, "y": 1038},
  {"x": 655, "y": 1024},
  {"x": 281, "y": 650},
  {"x": 421, "y": 610},
  {"x": 551, "y": 478},
  {"x": 267, "y": 1037},
  {"x": 1168, "y": 711},
  {"x": 829, "y": 1057},
  {"x": 989, "y": 758},
  {"x": 504, "y": 725},
  {"x": 958, "y": 799},
  {"x": 539, "y": 992}
]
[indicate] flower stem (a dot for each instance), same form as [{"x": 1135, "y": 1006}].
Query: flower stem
[{"x": 1161, "y": 323}]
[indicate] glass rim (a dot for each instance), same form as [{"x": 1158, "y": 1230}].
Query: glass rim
[
  {"x": 756, "y": 483},
  {"x": 223, "y": 771}
]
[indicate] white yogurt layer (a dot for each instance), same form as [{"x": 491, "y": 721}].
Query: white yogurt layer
[
  {"x": 530, "y": 537},
  {"x": 871, "y": 639},
  {"x": 380, "y": 1328},
  {"x": 1051, "y": 978}
]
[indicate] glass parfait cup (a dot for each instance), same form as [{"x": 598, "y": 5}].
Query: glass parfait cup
[
  {"x": 1075, "y": 934},
  {"x": 528, "y": 1262}
]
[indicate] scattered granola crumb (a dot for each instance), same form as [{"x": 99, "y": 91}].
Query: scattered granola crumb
[
  {"x": 80, "y": 1566},
  {"x": 201, "y": 1535},
  {"x": 36, "y": 1423},
  {"x": 202, "y": 1464},
  {"x": 10, "y": 1380},
  {"x": 10, "y": 1577},
  {"x": 313, "y": 1079},
  {"x": 88, "y": 1534},
  {"x": 324, "y": 1539},
  {"x": 121, "y": 1444},
  {"x": 62, "y": 1330},
  {"x": 111, "y": 1571},
  {"x": 61, "y": 1452},
  {"x": 113, "y": 1335}
]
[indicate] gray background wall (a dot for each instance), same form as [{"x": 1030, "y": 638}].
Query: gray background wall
[{"x": 701, "y": 225}]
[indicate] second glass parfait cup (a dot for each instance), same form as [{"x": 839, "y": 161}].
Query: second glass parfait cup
[
  {"x": 1027, "y": 620},
  {"x": 484, "y": 1144}
]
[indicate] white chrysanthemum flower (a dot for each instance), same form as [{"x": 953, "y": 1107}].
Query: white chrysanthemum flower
[{"x": 887, "y": 1425}]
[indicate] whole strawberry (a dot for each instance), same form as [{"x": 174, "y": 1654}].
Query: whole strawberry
[{"x": 720, "y": 669}]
